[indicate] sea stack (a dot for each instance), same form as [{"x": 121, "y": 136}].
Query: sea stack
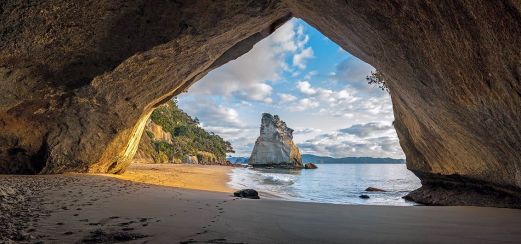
[{"x": 275, "y": 147}]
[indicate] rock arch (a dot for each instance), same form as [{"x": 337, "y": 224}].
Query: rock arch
[{"x": 78, "y": 79}]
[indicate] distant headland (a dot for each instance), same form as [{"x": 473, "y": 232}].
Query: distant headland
[{"x": 330, "y": 160}]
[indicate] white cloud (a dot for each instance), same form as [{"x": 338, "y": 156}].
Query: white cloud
[
  {"x": 310, "y": 74},
  {"x": 305, "y": 104},
  {"x": 299, "y": 59},
  {"x": 256, "y": 92},
  {"x": 248, "y": 76},
  {"x": 347, "y": 102},
  {"x": 305, "y": 130},
  {"x": 211, "y": 114},
  {"x": 368, "y": 129},
  {"x": 371, "y": 139},
  {"x": 334, "y": 111},
  {"x": 305, "y": 87},
  {"x": 285, "y": 98}
]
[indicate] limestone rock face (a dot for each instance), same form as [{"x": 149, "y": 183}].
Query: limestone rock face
[
  {"x": 454, "y": 73},
  {"x": 79, "y": 79},
  {"x": 146, "y": 153},
  {"x": 158, "y": 132},
  {"x": 275, "y": 147}
]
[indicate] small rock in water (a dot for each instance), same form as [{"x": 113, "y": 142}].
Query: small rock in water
[
  {"x": 374, "y": 189},
  {"x": 247, "y": 193},
  {"x": 363, "y": 196},
  {"x": 310, "y": 166}
]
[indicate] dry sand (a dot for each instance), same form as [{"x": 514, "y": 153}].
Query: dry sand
[
  {"x": 100, "y": 209},
  {"x": 188, "y": 176}
]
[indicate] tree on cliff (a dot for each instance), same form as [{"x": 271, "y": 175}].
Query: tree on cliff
[
  {"x": 188, "y": 138},
  {"x": 377, "y": 78}
]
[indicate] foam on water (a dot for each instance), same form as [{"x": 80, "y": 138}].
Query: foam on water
[{"x": 332, "y": 183}]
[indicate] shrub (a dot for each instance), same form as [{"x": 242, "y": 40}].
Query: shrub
[{"x": 377, "y": 78}]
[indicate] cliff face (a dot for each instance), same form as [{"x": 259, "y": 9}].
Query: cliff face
[
  {"x": 78, "y": 79},
  {"x": 172, "y": 136},
  {"x": 454, "y": 74},
  {"x": 274, "y": 147},
  {"x": 147, "y": 151}
]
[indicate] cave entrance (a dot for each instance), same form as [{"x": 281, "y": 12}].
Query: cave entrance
[{"x": 340, "y": 121}]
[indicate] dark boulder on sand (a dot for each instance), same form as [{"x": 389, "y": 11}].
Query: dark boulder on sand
[
  {"x": 247, "y": 193},
  {"x": 310, "y": 166}
]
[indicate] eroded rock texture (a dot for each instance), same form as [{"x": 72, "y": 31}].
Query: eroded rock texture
[
  {"x": 78, "y": 78},
  {"x": 275, "y": 147},
  {"x": 454, "y": 73}
]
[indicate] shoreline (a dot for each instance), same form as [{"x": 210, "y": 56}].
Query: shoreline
[{"x": 83, "y": 208}]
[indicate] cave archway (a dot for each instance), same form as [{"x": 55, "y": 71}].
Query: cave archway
[{"x": 79, "y": 79}]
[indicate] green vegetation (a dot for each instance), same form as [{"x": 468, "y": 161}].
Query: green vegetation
[
  {"x": 188, "y": 138},
  {"x": 150, "y": 134},
  {"x": 378, "y": 79}
]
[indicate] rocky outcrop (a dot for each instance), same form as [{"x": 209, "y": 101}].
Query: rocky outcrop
[
  {"x": 190, "y": 160},
  {"x": 374, "y": 189},
  {"x": 158, "y": 133},
  {"x": 247, "y": 193},
  {"x": 147, "y": 152},
  {"x": 275, "y": 147},
  {"x": 78, "y": 79},
  {"x": 310, "y": 166}
]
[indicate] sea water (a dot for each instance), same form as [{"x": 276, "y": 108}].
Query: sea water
[{"x": 332, "y": 183}]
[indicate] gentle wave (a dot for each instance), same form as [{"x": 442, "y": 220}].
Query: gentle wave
[
  {"x": 270, "y": 179},
  {"x": 341, "y": 183}
]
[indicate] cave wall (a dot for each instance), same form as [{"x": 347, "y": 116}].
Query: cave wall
[
  {"x": 78, "y": 77},
  {"x": 454, "y": 73}
]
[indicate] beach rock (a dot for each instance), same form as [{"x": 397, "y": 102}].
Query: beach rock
[
  {"x": 374, "y": 189},
  {"x": 80, "y": 78},
  {"x": 310, "y": 166},
  {"x": 247, "y": 193},
  {"x": 363, "y": 196},
  {"x": 275, "y": 147},
  {"x": 190, "y": 160}
]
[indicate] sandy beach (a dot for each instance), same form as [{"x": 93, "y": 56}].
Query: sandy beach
[
  {"x": 188, "y": 176},
  {"x": 80, "y": 208}
]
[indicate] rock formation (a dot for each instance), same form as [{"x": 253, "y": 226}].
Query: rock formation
[
  {"x": 275, "y": 147},
  {"x": 454, "y": 73},
  {"x": 78, "y": 79},
  {"x": 310, "y": 166},
  {"x": 190, "y": 144},
  {"x": 147, "y": 152},
  {"x": 247, "y": 193}
]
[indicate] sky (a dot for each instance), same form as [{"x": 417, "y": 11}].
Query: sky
[{"x": 315, "y": 86}]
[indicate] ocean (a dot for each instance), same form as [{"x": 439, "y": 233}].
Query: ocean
[{"x": 332, "y": 183}]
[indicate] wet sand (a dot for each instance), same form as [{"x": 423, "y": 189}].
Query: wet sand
[{"x": 100, "y": 209}]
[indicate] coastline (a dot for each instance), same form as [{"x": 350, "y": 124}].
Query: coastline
[
  {"x": 188, "y": 176},
  {"x": 83, "y": 208}
]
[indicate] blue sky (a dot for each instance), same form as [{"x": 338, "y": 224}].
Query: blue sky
[{"x": 311, "y": 83}]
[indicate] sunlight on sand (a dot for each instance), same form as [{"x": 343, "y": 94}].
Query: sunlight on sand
[{"x": 199, "y": 177}]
